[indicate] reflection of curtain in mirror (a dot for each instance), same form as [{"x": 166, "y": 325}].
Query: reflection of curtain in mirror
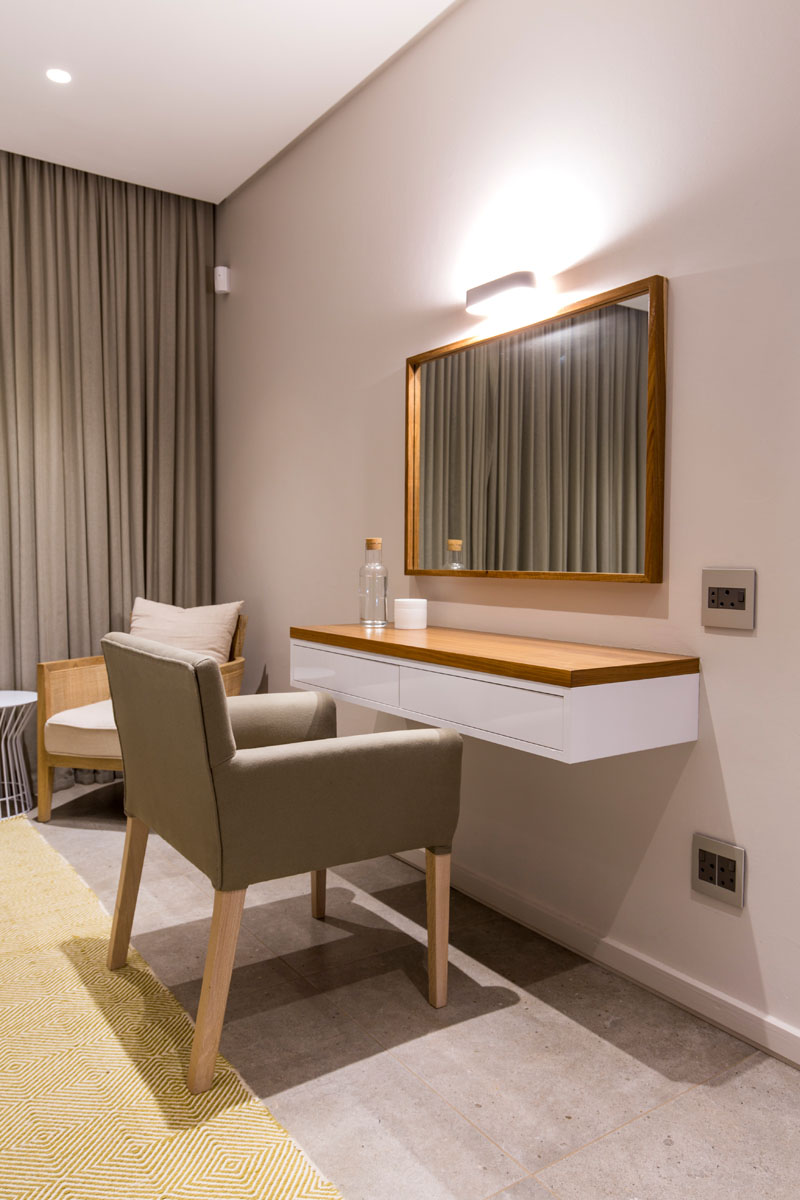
[
  {"x": 532, "y": 448},
  {"x": 456, "y": 454}
]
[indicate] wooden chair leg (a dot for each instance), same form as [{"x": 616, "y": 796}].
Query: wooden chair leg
[
  {"x": 437, "y": 881},
  {"x": 44, "y": 791},
  {"x": 225, "y": 924},
  {"x": 318, "y": 893},
  {"x": 127, "y": 892}
]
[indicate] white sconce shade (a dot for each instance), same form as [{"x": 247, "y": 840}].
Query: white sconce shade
[{"x": 501, "y": 294}]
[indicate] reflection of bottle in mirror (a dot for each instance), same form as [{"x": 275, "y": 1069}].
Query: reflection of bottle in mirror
[
  {"x": 372, "y": 586},
  {"x": 454, "y": 555}
]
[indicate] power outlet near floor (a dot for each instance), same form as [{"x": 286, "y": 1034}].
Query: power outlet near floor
[{"x": 718, "y": 869}]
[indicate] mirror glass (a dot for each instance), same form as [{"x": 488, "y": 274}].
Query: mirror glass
[{"x": 540, "y": 451}]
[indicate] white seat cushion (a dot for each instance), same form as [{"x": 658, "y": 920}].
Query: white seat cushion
[{"x": 86, "y": 732}]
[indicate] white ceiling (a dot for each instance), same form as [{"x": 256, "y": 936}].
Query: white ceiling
[{"x": 190, "y": 96}]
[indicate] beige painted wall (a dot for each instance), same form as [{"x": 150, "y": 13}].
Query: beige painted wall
[{"x": 642, "y": 138}]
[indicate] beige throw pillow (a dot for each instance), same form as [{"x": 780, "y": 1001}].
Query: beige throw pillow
[{"x": 205, "y": 630}]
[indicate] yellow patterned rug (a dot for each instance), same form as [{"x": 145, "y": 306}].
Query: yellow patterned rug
[{"x": 93, "y": 1103}]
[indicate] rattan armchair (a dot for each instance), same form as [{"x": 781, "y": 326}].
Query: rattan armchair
[{"x": 76, "y": 683}]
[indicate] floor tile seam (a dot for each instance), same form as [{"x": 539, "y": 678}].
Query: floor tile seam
[
  {"x": 753, "y": 1053},
  {"x": 170, "y": 872},
  {"x": 350, "y": 962},
  {"x": 373, "y": 953},
  {"x": 345, "y": 1013},
  {"x": 610, "y": 1132},
  {"x": 421, "y": 1079},
  {"x": 246, "y": 924},
  {"x": 497, "y": 980},
  {"x": 309, "y": 978},
  {"x": 489, "y": 914},
  {"x": 457, "y": 924},
  {"x": 429, "y": 1087},
  {"x": 195, "y": 907},
  {"x": 503, "y": 1190},
  {"x": 648, "y": 1112},
  {"x": 547, "y": 1188},
  {"x": 252, "y": 933},
  {"x": 388, "y": 1050}
]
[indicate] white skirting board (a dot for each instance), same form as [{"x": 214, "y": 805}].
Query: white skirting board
[{"x": 761, "y": 1030}]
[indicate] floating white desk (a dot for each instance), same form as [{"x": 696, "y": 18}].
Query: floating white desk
[{"x": 563, "y": 700}]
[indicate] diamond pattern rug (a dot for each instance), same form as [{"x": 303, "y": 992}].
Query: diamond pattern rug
[{"x": 93, "y": 1100}]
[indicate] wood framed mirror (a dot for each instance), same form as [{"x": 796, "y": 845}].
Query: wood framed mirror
[{"x": 541, "y": 450}]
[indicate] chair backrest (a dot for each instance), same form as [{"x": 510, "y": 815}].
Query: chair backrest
[
  {"x": 172, "y": 716},
  {"x": 237, "y": 643}
]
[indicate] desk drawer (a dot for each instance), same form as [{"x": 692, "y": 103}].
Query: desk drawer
[
  {"x": 498, "y": 708},
  {"x": 361, "y": 678}
]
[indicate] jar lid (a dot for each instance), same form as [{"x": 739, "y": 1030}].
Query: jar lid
[
  {"x": 374, "y": 543},
  {"x": 454, "y": 543}
]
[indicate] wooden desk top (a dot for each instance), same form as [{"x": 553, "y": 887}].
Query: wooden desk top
[{"x": 567, "y": 664}]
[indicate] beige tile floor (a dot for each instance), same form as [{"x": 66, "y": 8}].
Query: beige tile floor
[{"x": 545, "y": 1075}]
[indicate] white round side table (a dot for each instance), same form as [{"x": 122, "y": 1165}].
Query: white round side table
[{"x": 15, "y": 788}]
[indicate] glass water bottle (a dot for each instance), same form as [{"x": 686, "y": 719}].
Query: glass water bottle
[
  {"x": 372, "y": 586},
  {"x": 455, "y": 558}
]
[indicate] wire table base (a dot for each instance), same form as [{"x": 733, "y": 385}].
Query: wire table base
[{"x": 15, "y": 788}]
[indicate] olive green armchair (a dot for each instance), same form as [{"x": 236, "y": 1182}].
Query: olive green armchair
[{"x": 259, "y": 787}]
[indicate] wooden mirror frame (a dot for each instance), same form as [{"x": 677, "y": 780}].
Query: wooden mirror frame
[{"x": 655, "y": 286}]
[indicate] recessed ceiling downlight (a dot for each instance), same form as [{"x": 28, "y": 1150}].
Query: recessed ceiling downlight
[{"x": 56, "y": 75}]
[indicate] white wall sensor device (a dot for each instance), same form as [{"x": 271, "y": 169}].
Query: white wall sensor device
[{"x": 222, "y": 279}]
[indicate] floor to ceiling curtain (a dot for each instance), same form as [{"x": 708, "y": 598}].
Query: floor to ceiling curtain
[
  {"x": 532, "y": 448},
  {"x": 106, "y": 369}
]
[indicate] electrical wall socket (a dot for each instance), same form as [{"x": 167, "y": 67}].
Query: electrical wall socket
[
  {"x": 718, "y": 869},
  {"x": 735, "y": 598},
  {"x": 729, "y": 597}
]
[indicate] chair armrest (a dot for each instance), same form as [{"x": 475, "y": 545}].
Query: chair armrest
[
  {"x": 70, "y": 683},
  {"x": 232, "y": 673},
  {"x": 65, "y": 683},
  {"x": 308, "y": 805},
  {"x": 274, "y": 720}
]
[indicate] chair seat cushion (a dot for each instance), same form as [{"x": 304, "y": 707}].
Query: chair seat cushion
[{"x": 86, "y": 732}]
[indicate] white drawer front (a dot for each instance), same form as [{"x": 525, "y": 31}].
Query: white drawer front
[
  {"x": 362, "y": 678},
  {"x": 498, "y": 708}
]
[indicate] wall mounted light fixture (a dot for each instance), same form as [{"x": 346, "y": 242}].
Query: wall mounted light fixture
[{"x": 500, "y": 294}]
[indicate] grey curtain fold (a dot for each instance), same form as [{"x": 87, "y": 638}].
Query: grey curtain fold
[
  {"x": 106, "y": 378},
  {"x": 533, "y": 448}
]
